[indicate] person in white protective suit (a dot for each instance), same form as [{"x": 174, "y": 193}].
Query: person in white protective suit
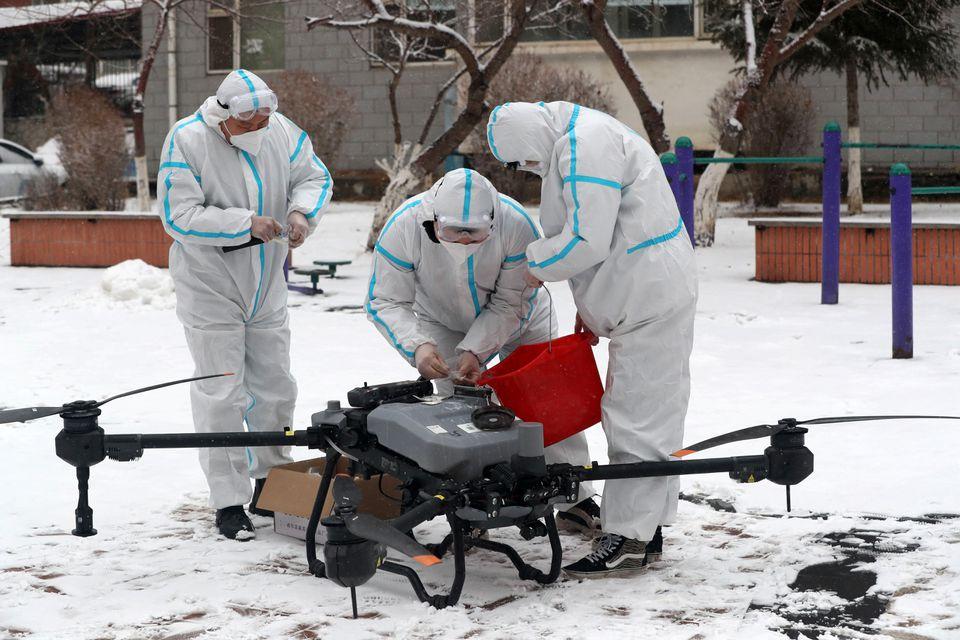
[
  {"x": 613, "y": 230},
  {"x": 234, "y": 173},
  {"x": 447, "y": 292}
]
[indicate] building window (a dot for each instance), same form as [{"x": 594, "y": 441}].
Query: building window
[
  {"x": 254, "y": 39},
  {"x": 629, "y": 19}
]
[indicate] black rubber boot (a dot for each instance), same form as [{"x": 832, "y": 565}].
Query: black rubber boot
[
  {"x": 253, "y": 508},
  {"x": 233, "y": 523}
]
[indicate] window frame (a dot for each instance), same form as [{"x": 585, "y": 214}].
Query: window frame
[{"x": 217, "y": 12}]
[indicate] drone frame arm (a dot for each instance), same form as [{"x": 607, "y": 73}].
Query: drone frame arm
[{"x": 741, "y": 468}]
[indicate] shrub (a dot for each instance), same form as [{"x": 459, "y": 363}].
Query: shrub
[
  {"x": 778, "y": 126},
  {"x": 527, "y": 78},
  {"x": 93, "y": 153},
  {"x": 322, "y": 110}
]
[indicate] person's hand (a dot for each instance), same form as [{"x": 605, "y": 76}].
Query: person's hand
[
  {"x": 532, "y": 281},
  {"x": 264, "y": 228},
  {"x": 429, "y": 363},
  {"x": 298, "y": 229},
  {"x": 580, "y": 327},
  {"x": 468, "y": 369}
]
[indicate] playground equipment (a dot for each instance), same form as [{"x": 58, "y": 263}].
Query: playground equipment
[
  {"x": 901, "y": 253},
  {"x": 679, "y": 169},
  {"x": 679, "y": 165}
]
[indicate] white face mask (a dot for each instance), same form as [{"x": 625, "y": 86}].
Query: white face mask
[
  {"x": 460, "y": 252},
  {"x": 249, "y": 141}
]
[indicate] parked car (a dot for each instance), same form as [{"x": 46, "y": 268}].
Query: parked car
[{"x": 18, "y": 166}]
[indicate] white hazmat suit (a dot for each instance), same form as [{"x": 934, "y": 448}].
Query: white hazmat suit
[
  {"x": 613, "y": 230},
  {"x": 476, "y": 301},
  {"x": 233, "y": 305}
]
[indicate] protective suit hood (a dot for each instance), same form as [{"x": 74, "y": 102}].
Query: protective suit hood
[
  {"x": 239, "y": 82},
  {"x": 464, "y": 195},
  {"x": 519, "y": 131}
]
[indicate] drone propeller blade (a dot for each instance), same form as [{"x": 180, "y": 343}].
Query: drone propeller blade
[
  {"x": 160, "y": 386},
  {"x": 370, "y": 527},
  {"x": 838, "y": 419},
  {"x": 346, "y": 492},
  {"x": 766, "y": 430},
  {"x": 27, "y": 413},
  {"x": 758, "y": 431}
]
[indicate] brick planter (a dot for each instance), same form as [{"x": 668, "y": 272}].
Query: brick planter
[
  {"x": 788, "y": 250},
  {"x": 85, "y": 238}
]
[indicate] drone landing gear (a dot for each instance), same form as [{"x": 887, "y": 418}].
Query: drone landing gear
[
  {"x": 439, "y": 601},
  {"x": 460, "y": 543}
]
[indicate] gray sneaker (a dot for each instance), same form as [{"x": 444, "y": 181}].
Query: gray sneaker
[{"x": 582, "y": 518}]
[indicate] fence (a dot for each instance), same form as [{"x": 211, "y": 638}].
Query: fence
[{"x": 679, "y": 169}]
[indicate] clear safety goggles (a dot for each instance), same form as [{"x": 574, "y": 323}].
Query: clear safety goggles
[
  {"x": 455, "y": 229},
  {"x": 247, "y": 106}
]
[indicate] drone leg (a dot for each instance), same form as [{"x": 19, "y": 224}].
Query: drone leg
[
  {"x": 316, "y": 566},
  {"x": 83, "y": 513},
  {"x": 353, "y": 599},
  {"x": 526, "y": 571},
  {"x": 788, "y": 498},
  {"x": 460, "y": 571}
]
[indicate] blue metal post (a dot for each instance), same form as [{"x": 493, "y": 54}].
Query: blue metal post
[
  {"x": 901, "y": 258},
  {"x": 684, "y": 151},
  {"x": 669, "y": 162},
  {"x": 830, "y": 244}
]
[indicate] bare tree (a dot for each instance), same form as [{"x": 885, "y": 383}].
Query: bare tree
[
  {"x": 780, "y": 43},
  {"x": 414, "y": 161}
]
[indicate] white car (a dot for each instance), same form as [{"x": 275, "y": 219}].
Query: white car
[{"x": 18, "y": 166}]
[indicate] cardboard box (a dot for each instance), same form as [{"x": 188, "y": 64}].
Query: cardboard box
[{"x": 291, "y": 489}]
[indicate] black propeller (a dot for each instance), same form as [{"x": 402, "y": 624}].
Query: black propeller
[
  {"x": 767, "y": 430},
  {"x": 32, "y": 413},
  {"x": 347, "y": 497}
]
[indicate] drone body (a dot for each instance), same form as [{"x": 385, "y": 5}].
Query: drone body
[{"x": 462, "y": 458}]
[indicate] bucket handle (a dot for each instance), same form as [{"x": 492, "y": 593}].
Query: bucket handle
[{"x": 523, "y": 295}]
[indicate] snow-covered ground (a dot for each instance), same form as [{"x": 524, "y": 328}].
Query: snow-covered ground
[{"x": 157, "y": 569}]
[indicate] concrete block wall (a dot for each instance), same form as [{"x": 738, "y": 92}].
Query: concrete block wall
[
  {"x": 905, "y": 112},
  {"x": 331, "y": 54}
]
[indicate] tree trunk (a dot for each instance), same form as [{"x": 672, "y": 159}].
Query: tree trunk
[
  {"x": 405, "y": 183},
  {"x": 139, "y": 141},
  {"x": 854, "y": 186},
  {"x": 706, "y": 201},
  {"x": 651, "y": 114}
]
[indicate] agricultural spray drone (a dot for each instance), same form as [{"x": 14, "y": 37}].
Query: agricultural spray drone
[{"x": 463, "y": 457}]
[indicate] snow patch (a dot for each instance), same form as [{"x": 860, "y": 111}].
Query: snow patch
[{"x": 134, "y": 282}]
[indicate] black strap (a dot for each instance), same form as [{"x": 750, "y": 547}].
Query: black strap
[{"x": 252, "y": 242}]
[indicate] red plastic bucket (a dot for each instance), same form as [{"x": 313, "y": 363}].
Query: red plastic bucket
[{"x": 559, "y": 386}]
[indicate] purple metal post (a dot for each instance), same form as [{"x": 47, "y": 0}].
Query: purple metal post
[
  {"x": 669, "y": 162},
  {"x": 684, "y": 151},
  {"x": 901, "y": 259},
  {"x": 830, "y": 263}
]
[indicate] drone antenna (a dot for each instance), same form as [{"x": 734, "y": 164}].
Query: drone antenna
[
  {"x": 788, "y": 498},
  {"x": 353, "y": 600}
]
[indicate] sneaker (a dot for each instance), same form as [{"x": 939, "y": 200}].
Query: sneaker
[
  {"x": 233, "y": 523},
  {"x": 582, "y": 518},
  {"x": 253, "y": 508},
  {"x": 614, "y": 556}
]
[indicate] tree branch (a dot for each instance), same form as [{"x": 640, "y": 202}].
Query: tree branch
[
  {"x": 825, "y": 18},
  {"x": 384, "y": 20}
]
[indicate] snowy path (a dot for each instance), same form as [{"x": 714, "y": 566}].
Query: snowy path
[{"x": 157, "y": 569}]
